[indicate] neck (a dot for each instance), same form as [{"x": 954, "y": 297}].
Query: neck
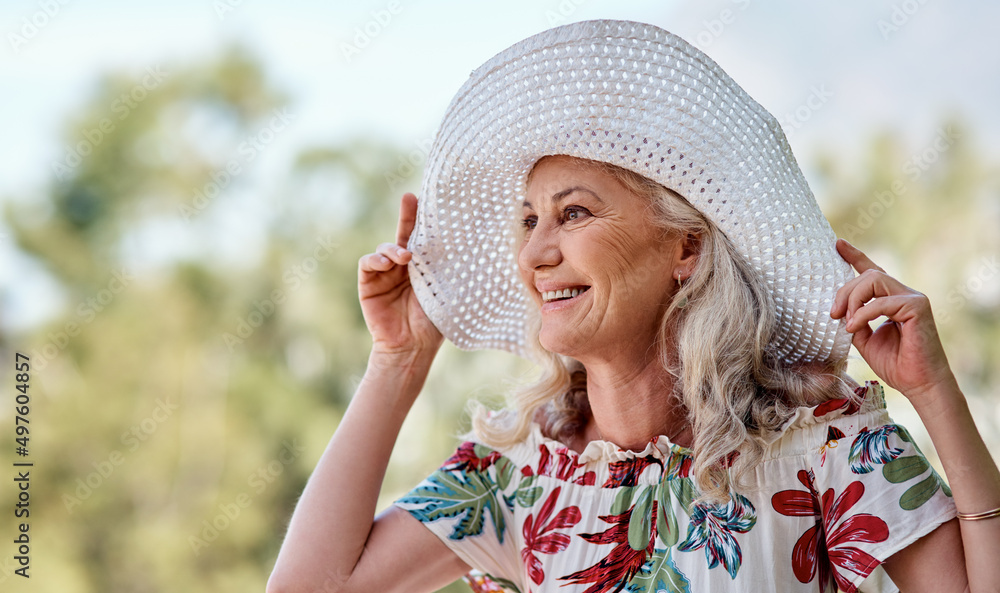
[{"x": 632, "y": 402}]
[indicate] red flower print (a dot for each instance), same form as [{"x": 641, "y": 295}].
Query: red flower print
[
  {"x": 563, "y": 466},
  {"x": 622, "y": 563},
  {"x": 627, "y": 472},
  {"x": 851, "y": 406},
  {"x": 465, "y": 458},
  {"x": 536, "y": 536},
  {"x": 821, "y": 548}
]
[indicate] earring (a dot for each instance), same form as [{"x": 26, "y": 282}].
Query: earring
[{"x": 680, "y": 286}]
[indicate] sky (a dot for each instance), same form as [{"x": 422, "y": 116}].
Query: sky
[{"x": 834, "y": 74}]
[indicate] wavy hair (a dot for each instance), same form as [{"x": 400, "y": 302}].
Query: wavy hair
[{"x": 716, "y": 346}]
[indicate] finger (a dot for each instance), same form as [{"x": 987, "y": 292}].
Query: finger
[
  {"x": 856, "y": 257},
  {"x": 858, "y": 325},
  {"x": 407, "y": 219},
  {"x": 386, "y": 256},
  {"x": 839, "y": 307},
  {"x": 877, "y": 285},
  {"x": 860, "y": 262},
  {"x": 861, "y": 336},
  {"x": 398, "y": 255},
  {"x": 374, "y": 263},
  {"x": 842, "y": 298},
  {"x": 896, "y": 307},
  {"x": 869, "y": 285}
]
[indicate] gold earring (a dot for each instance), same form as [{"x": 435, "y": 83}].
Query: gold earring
[{"x": 680, "y": 286}]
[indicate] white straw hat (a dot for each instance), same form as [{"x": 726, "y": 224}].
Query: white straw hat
[{"x": 636, "y": 96}]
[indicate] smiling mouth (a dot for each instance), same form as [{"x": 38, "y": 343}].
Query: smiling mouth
[{"x": 564, "y": 294}]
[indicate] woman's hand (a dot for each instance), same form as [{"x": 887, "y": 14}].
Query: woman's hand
[
  {"x": 397, "y": 323},
  {"x": 906, "y": 353},
  {"x": 905, "y": 350}
]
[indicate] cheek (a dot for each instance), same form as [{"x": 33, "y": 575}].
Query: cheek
[{"x": 629, "y": 261}]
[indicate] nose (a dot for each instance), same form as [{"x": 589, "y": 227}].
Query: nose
[{"x": 540, "y": 249}]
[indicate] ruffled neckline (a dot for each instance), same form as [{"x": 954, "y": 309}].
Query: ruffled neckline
[
  {"x": 659, "y": 447},
  {"x": 871, "y": 398}
]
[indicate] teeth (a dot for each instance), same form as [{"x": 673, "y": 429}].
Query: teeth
[{"x": 551, "y": 295}]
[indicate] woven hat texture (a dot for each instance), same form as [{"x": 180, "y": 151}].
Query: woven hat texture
[{"x": 639, "y": 97}]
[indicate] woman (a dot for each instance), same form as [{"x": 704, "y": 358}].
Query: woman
[{"x": 693, "y": 429}]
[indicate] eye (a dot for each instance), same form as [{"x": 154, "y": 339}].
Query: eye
[
  {"x": 529, "y": 222},
  {"x": 574, "y": 213}
]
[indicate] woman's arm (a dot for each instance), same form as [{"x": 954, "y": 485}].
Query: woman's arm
[
  {"x": 333, "y": 544},
  {"x": 906, "y": 353},
  {"x": 975, "y": 483}
]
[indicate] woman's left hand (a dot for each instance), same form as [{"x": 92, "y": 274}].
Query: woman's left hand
[{"x": 905, "y": 350}]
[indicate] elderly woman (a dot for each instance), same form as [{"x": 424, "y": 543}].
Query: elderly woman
[{"x": 693, "y": 428}]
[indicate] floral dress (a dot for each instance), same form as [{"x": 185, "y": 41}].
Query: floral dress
[{"x": 841, "y": 489}]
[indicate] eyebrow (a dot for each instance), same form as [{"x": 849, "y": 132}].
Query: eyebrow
[{"x": 559, "y": 196}]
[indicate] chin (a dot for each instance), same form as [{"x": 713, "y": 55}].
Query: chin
[{"x": 562, "y": 344}]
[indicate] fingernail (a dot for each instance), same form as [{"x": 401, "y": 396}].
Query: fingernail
[{"x": 400, "y": 251}]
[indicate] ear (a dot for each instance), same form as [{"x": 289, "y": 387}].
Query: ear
[{"x": 688, "y": 250}]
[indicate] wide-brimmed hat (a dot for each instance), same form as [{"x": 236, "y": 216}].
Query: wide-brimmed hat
[{"x": 641, "y": 98}]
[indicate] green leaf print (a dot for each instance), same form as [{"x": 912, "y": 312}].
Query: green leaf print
[
  {"x": 920, "y": 493},
  {"x": 906, "y": 468},
  {"x": 527, "y": 493},
  {"x": 659, "y": 574},
  {"x": 481, "y": 450},
  {"x": 640, "y": 524},
  {"x": 447, "y": 494},
  {"x": 623, "y": 500},
  {"x": 683, "y": 490},
  {"x": 903, "y": 469},
  {"x": 505, "y": 472},
  {"x": 666, "y": 522}
]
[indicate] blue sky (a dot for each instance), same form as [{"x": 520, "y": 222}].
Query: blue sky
[{"x": 833, "y": 73}]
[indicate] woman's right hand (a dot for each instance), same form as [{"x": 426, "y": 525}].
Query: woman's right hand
[{"x": 397, "y": 323}]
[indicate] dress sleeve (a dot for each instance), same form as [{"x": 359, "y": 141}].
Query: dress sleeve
[
  {"x": 877, "y": 494},
  {"x": 464, "y": 504}
]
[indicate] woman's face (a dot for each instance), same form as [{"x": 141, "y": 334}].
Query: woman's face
[{"x": 599, "y": 269}]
